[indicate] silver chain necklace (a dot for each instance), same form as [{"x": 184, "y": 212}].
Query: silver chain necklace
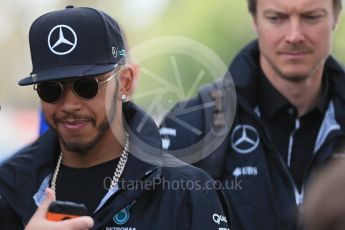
[{"x": 117, "y": 174}]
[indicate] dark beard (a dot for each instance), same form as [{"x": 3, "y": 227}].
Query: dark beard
[{"x": 84, "y": 147}]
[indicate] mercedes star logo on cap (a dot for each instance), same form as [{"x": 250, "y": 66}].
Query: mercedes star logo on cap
[{"x": 70, "y": 44}]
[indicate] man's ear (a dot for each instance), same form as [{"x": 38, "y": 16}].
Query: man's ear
[
  {"x": 336, "y": 19},
  {"x": 126, "y": 80},
  {"x": 255, "y": 23}
]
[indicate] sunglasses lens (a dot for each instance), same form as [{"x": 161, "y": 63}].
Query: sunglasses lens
[
  {"x": 86, "y": 88},
  {"x": 49, "y": 91}
]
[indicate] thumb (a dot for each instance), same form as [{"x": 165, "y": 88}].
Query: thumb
[
  {"x": 84, "y": 222},
  {"x": 43, "y": 208}
]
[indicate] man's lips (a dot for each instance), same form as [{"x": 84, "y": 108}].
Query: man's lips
[
  {"x": 294, "y": 56},
  {"x": 295, "y": 53},
  {"x": 74, "y": 125}
]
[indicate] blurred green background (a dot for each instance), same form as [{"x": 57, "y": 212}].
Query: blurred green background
[{"x": 222, "y": 26}]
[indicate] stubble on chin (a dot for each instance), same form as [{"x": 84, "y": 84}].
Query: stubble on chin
[{"x": 83, "y": 147}]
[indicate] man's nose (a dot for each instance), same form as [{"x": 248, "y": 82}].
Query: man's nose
[
  {"x": 70, "y": 101},
  {"x": 295, "y": 32}
]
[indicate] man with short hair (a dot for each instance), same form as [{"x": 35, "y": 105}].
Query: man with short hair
[
  {"x": 92, "y": 153},
  {"x": 289, "y": 112}
]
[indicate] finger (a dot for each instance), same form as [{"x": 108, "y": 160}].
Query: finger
[
  {"x": 79, "y": 223},
  {"x": 43, "y": 208}
]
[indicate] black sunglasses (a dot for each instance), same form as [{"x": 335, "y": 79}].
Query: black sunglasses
[{"x": 85, "y": 88}]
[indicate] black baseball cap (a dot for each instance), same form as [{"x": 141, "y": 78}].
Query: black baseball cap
[{"x": 74, "y": 42}]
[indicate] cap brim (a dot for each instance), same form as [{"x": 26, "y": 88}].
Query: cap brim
[{"x": 66, "y": 72}]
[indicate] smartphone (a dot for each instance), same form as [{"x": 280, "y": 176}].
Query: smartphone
[{"x": 64, "y": 210}]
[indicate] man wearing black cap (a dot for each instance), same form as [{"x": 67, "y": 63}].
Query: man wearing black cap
[{"x": 90, "y": 154}]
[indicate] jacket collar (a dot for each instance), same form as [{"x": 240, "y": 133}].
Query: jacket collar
[
  {"x": 244, "y": 70},
  {"x": 279, "y": 103},
  {"x": 337, "y": 77}
]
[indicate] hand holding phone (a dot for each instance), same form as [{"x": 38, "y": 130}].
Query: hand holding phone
[
  {"x": 39, "y": 220},
  {"x": 64, "y": 210}
]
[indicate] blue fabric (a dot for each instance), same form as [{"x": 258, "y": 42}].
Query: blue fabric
[{"x": 43, "y": 123}]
